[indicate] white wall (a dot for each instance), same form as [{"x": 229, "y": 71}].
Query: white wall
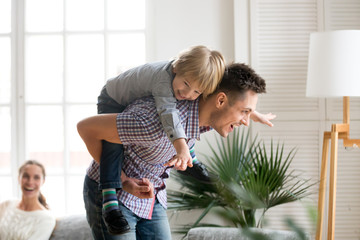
[
  {"x": 174, "y": 25},
  {"x": 280, "y": 33},
  {"x": 179, "y": 24}
]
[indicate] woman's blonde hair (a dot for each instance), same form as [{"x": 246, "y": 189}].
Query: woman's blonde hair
[
  {"x": 41, "y": 198},
  {"x": 203, "y": 65}
]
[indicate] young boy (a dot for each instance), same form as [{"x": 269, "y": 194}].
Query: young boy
[{"x": 195, "y": 71}]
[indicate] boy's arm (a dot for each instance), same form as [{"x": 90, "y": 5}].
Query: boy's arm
[{"x": 171, "y": 122}]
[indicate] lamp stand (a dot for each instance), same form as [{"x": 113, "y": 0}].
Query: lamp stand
[{"x": 338, "y": 131}]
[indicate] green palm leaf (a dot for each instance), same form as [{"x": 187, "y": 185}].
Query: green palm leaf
[{"x": 250, "y": 177}]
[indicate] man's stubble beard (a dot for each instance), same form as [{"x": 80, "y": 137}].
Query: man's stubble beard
[{"x": 214, "y": 120}]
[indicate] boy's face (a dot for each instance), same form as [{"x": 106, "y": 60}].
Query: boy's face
[{"x": 185, "y": 88}]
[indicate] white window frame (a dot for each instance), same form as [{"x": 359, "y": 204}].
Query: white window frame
[{"x": 17, "y": 103}]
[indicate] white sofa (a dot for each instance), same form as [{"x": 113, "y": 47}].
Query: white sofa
[
  {"x": 76, "y": 228},
  {"x": 213, "y": 233},
  {"x": 73, "y": 227}
]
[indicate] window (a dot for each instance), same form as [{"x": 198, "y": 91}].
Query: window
[
  {"x": 61, "y": 53},
  {"x": 5, "y": 97}
]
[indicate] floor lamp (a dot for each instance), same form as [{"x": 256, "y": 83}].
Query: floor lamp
[{"x": 333, "y": 71}]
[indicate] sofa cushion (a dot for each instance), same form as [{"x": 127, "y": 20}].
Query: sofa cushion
[
  {"x": 73, "y": 227},
  {"x": 213, "y": 233}
]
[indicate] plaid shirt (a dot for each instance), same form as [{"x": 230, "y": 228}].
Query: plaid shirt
[{"x": 147, "y": 149}]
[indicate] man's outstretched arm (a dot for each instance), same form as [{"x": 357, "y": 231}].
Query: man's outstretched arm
[{"x": 97, "y": 128}]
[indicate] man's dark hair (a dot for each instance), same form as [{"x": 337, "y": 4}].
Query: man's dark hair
[{"x": 238, "y": 79}]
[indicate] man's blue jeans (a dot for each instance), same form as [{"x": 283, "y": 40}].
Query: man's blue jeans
[
  {"x": 112, "y": 155},
  {"x": 141, "y": 229}
]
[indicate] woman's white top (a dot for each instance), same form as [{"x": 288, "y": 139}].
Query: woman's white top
[{"x": 16, "y": 224}]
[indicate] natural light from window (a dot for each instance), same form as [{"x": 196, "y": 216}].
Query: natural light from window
[
  {"x": 5, "y": 95},
  {"x": 70, "y": 48}
]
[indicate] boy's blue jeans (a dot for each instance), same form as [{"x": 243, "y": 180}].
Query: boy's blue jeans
[
  {"x": 141, "y": 229},
  {"x": 112, "y": 155}
]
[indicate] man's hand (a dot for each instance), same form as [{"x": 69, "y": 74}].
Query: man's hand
[
  {"x": 263, "y": 118},
  {"x": 141, "y": 188}
]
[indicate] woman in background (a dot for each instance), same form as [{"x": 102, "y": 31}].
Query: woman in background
[{"x": 28, "y": 218}]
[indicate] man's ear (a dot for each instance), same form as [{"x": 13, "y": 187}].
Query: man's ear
[{"x": 221, "y": 99}]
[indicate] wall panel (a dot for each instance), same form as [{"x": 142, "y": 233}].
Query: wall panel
[{"x": 279, "y": 38}]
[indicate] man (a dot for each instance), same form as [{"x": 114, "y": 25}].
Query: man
[{"x": 148, "y": 150}]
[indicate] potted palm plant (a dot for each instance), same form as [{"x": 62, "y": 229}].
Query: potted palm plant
[{"x": 250, "y": 178}]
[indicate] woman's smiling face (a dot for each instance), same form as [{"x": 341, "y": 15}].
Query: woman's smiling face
[{"x": 31, "y": 179}]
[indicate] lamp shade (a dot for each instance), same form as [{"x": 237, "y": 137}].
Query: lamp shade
[{"x": 334, "y": 64}]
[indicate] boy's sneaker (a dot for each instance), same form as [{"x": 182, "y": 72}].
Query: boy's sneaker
[
  {"x": 115, "y": 222},
  {"x": 199, "y": 172}
]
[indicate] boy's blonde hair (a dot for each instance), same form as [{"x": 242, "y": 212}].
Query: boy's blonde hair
[{"x": 203, "y": 65}]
